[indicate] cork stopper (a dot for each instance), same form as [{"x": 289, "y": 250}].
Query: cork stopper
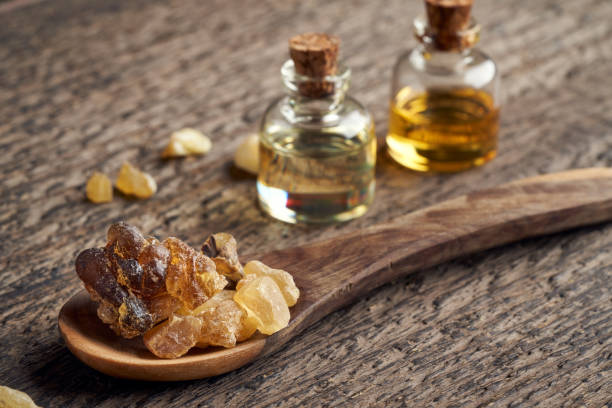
[
  {"x": 447, "y": 18},
  {"x": 315, "y": 55}
]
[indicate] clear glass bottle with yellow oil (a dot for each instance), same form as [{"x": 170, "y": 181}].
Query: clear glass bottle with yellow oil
[
  {"x": 317, "y": 144},
  {"x": 444, "y": 110}
]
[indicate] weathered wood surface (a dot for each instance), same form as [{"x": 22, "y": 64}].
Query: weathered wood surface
[{"x": 85, "y": 85}]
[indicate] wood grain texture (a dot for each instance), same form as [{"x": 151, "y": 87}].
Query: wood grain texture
[
  {"x": 335, "y": 272},
  {"x": 85, "y": 85}
]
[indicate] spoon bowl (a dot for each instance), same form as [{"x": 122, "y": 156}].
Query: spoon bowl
[
  {"x": 333, "y": 273},
  {"x": 94, "y": 343}
]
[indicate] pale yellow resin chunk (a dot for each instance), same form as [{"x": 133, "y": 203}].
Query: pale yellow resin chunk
[
  {"x": 99, "y": 188},
  {"x": 186, "y": 142},
  {"x": 283, "y": 279},
  {"x": 11, "y": 398},
  {"x": 247, "y": 154},
  {"x": 264, "y": 302},
  {"x": 132, "y": 181}
]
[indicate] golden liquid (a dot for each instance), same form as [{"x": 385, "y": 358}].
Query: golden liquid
[
  {"x": 443, "y": 130},
  {"x": 316, "y": 176}
]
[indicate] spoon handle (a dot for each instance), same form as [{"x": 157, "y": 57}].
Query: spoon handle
[{"x": 338, "y": 271}]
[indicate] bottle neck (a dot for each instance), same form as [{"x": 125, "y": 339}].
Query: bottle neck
[
  {"x": 459, "y": 42},
  {"x": 311, "y": 99}
]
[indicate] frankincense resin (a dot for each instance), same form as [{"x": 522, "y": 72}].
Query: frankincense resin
[
  {"x": 263, "y": 301},
  {"x": 177, "y": 297}
]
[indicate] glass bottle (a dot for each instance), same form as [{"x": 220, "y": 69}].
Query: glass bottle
[
  {"x": 444, "y": 111},
  {"x": 317, "y": 151}
]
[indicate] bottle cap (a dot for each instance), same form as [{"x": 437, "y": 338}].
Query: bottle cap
[
  {"x": 315, "y": 55},
  {"x": 447, "y": 18}
]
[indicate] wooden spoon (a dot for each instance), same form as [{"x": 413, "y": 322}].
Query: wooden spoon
[{"x": 336, "y": 272}]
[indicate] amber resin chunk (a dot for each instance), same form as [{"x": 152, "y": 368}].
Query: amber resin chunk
[
  {"x": 138, "y": 263},
  {"x": 224, "y": 322},
  {"x": 138, "y": 282},
  {"x": 123, "y": 311},
  {"x": 162, "y": 306},
  {"x": 174, "y": 337},
  {"x": 191, "y": 276},
  {"x": 125, "y": 240},
  {"x": 99, "y": 188},
  {"x": 153, "y": 260},
  {"x": 132, "y": 181},
  {"x": 264, "y": 302},
  {"x": 283, "y": 280},
  {"x": 222, "y": 249}
]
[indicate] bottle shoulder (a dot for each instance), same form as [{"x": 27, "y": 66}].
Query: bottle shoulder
[
  {"x": 473, "y": 68},
  {"x": 349, "y": 118}
]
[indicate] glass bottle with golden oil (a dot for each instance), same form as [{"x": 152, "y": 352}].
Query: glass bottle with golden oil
[
  {"x": 444, "y": 113},
  {"x": 317, "y": 145}
]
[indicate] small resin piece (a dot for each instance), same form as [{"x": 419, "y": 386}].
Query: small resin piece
[
  {"x": 191, "y": 276},
  {"x": 99, "y": 188},
  {"x": 222, "y": 249},
  {"x": 224, "y": 322},
  {"x": 186, "y": 142},
  {"x": 247, "y": 154},
  {"x": 132, "y": 181},
  {"x": 264, "y": 302},
  {"x": 283, "y": 279},
  {"x": 174, "y": 337},
  {"x": 11, "y": 398}
]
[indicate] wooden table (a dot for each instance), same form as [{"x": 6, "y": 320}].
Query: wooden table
[{"x": 85, "y": 85}]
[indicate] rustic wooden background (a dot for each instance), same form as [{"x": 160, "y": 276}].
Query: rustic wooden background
[{"x": 87, "y": 84}]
